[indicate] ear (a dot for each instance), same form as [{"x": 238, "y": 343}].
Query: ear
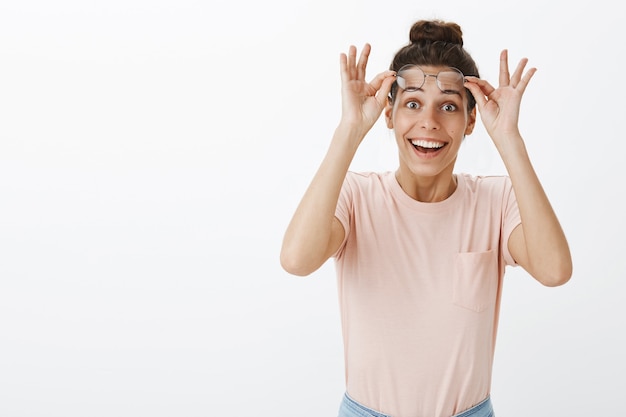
[
  {"x": 389, "y": 113},
  {"x": 471, "y": 122}
]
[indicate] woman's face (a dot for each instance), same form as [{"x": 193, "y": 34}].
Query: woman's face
[{"x": 429, "y": 120}]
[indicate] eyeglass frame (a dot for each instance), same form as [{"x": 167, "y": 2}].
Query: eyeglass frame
[{"x": 471, "y": 101}]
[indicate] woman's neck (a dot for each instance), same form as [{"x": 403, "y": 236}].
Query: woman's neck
[{"x": 427, "y": 189}]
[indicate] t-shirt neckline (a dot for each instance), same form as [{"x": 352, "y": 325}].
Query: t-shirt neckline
[{"x": 421, "y": 206}]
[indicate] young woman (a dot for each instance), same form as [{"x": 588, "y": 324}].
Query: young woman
[{"x": 421, "y": 252}]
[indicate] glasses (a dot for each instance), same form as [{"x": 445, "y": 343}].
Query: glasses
[{"x": 412, "y": 78}]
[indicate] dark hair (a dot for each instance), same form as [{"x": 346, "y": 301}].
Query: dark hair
[{"x": 436, "y": 43}]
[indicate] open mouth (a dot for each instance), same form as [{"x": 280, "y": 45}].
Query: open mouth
[{"x": 427, "y": 146}]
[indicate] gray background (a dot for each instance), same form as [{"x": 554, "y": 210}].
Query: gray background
[{"x": 152, "y": 153}]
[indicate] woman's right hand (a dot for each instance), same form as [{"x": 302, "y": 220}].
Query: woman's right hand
[{"x": 362, "y": 102}]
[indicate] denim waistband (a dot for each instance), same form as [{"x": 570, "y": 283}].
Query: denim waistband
[
  {"x": 351, "y": 408},
  {"x": 482, "y": 409}
]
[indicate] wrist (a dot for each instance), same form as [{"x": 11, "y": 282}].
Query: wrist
[
  {"x": 349, "y": 132},
  {"x": 512, "y": 149}
]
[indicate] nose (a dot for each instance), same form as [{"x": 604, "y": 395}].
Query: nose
[{"x": 428, "y": 119}]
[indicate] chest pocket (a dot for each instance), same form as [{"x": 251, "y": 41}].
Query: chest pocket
[{"x": 475, "y": 280}]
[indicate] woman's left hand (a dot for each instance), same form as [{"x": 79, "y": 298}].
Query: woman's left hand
[{"x": 499, "y": 107}]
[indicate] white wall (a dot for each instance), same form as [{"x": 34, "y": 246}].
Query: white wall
[{"x": 152, "y": 153}]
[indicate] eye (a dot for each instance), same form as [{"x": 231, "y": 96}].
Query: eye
[
  {"x": 413, "y": 105},
  {"x": 449, "y": 107}
]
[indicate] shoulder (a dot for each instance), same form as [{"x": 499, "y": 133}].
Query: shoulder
[
  {"x": 486, "y": 184},
  {"x": 366, "y": 189},
  {"x": 366, "y": 176},
  {"x": 495, "y": 191},
  {"x": 367, "y": 180}
]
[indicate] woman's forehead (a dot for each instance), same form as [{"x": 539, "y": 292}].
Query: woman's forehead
[{"x": 427, "y": 68}]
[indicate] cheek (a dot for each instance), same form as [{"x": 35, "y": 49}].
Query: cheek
[
  {"x": 401, "y": 123},
  {"x": 459, "y": 128}
]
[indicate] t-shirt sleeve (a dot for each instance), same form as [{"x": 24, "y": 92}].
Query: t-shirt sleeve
[{"x": 510, "y": 220}]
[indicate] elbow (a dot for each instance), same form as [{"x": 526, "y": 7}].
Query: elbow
[
  {"x": 556, "y": 276},
  {"x": 555, "y": 280},
  {"x": 294, "y": 269},
  {"x": 293, "y": 265}
]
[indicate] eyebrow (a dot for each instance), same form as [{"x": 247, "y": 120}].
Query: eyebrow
[
  {"x": 449, "y": 92},
  {"x": 445, "y": 92}
]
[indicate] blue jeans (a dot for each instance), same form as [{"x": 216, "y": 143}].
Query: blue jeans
[{"x": 351, "y": 408}]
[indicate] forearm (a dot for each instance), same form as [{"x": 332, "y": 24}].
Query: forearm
[
  {"x": 544, "y": 252},
  {"x": 308, "y": 238}
]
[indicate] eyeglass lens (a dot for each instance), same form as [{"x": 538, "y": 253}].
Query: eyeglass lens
[{"x": 413, "y": 78}]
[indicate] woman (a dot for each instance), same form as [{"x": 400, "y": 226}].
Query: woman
[{"x": 421, "y": 252}]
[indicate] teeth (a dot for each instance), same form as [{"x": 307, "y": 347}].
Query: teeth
[{"x": 427, "y": 144}]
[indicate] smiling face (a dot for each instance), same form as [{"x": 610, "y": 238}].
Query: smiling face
[{"x": 429, "y": 126}]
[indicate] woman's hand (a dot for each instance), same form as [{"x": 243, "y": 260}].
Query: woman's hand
[
  {"x": 362, "y": 103},
  {"x": 499, "y": 107}
]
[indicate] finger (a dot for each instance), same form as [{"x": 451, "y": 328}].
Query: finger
[
  {"x": 517, "y": 75},
  {"x": 526, "y": 79},
  {"x": 352, "y": 61},
  {"x": 382, "y": 84},
  {"x": 478, "y": 94},
  {"x": 504, "y": 68},
  {"x": 378, "y": 80},
  {"x": 362, "y": 65},
  {"x": 343, "y": 67},
  {"x": 484, "y": 85}
]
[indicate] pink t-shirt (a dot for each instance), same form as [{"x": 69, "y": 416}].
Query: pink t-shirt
[{"x": 419, "y": 291}]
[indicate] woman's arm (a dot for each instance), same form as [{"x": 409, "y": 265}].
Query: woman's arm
[
  {"x": 538, "y": 244},
  {"x": 314, "y": 232}
]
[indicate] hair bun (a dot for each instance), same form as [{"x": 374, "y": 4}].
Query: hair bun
[{"x": 436, "y": 30}]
